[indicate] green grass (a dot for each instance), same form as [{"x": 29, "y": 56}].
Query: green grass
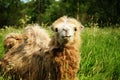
[
  {"x": 100, "y": 54},
  {"x": 100, "y": 58}
]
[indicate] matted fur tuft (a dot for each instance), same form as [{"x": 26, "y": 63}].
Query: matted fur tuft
[
  {"x": 12, "y": 40},
  {"x": 37, "y": 38}
]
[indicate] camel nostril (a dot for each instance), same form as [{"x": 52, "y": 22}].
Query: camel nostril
[{"x": 65, "y": 30}]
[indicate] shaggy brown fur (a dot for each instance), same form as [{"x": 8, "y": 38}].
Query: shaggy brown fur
[
  {"x": 66, "y": 56},
  {"x": 30, "y": 57},
  {"x": 12, "y": 40},
  {"x": 23, "y": 59}
]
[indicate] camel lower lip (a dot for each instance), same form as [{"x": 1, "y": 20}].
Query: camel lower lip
[{"x": 66, "y": 38}]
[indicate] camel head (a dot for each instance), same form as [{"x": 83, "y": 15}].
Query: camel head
[{"x": 66, "y": 30}]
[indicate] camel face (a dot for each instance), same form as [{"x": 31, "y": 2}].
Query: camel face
[
  {"x": 65, "y": 32},
  {"x": 66, "y": 29}
]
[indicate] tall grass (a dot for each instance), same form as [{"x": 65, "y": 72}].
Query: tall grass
[
  {"x": 100, "y": 54},
  {"x": 100, "y": 58}
]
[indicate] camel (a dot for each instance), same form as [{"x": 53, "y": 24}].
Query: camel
[
  {"x": 65, "y": 46},
  {"x": 39, "y": 57}
]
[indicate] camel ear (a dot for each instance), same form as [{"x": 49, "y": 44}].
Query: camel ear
[
  {"x": 52, "y": 27},
  {"x": 81, "y": 27}
]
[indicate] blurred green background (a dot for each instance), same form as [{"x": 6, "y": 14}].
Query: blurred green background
[{"x": 21, "y": 12}]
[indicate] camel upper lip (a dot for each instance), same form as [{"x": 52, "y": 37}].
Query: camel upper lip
[{"x": 66, "y": 36}]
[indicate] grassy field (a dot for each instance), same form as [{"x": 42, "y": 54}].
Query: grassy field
[
  {"x": 100, "y": 54},
  {"x": 100, "y": 58}
]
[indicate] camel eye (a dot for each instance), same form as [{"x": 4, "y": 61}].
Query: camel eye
[
  {"x": 56, "y": 29},
  {"x": 75, "y": 29}
]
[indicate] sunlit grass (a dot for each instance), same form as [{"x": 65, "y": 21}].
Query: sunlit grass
[{"x": 100, "y": 54}]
